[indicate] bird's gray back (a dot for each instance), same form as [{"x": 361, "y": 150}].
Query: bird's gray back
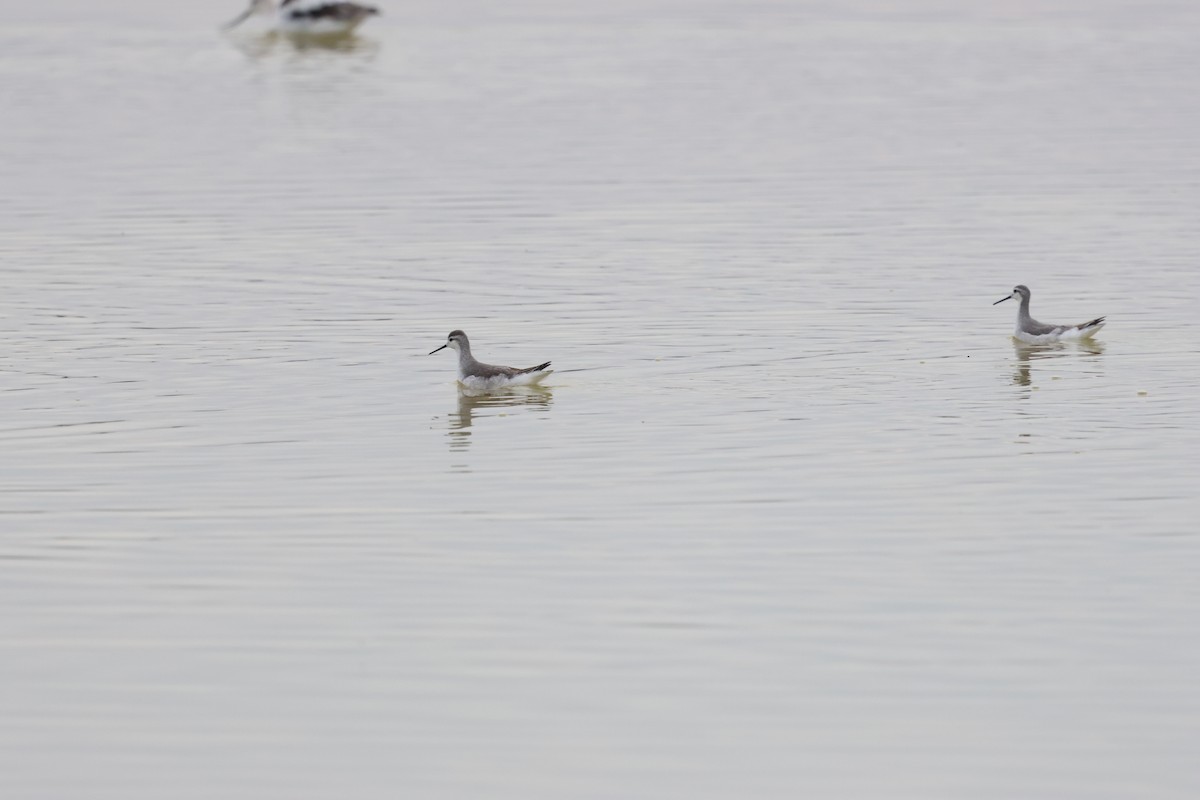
[
  {"x": 1035, "y": 328},
  {"x": 480, "y": 370}
]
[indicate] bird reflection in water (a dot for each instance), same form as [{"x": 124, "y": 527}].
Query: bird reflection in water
[
  {"x": 475, "y": 405},
  {"x": 299, "y": 45},
  {"x": 1028, "y": 353}
]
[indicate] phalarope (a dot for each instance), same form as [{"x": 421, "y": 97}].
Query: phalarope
[
  {"x": 476, "y": 375},
  {"x": 1034, "y": 332},
  {"x": 309, "y": 17}
]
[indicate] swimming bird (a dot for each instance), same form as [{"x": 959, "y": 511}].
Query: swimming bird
[
  {"x": 1034, "y": 332},
  {"x": 476, "y": 375},
  {"x": 309, "y": 17}
]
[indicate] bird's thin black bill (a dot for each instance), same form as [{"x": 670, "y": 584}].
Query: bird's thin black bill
[
  {"x": 233, "y": 23},
  {"x": 1001, "y": 300},
  {"x": 443, "y": 347}
]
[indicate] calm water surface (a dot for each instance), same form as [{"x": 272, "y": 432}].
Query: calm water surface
[{"x": 794, "y": 518}]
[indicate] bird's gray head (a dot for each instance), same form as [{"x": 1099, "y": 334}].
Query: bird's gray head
[
  {"x": 457, "y": 340},
  {"x": 1019, "y": 292}
]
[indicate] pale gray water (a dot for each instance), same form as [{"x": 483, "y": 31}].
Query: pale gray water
[{"x": 793, "y": 519}]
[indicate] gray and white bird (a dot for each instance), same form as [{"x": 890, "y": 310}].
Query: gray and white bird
[
  {"x": 1034, "y": 332},
  {"x": 476, "y": 375}
]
